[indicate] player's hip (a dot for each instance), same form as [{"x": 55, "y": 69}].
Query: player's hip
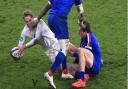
[
  {"x": 58, "y": 16},
  {"x": 97, "y": 65}
]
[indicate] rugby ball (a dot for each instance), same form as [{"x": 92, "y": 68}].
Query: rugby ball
[{"x": 15, "y": 53}]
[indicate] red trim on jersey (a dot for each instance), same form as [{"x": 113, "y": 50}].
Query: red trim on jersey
[{"x": 89, "y": 39}]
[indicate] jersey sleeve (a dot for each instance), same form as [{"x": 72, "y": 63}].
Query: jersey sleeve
[
  {"x": 23, "y": 36},
  {"x": 21, "y": 40},
  {"x": 34, "y": 40},
  {"x": 31, "y": 43},
  {"x": 78, "y": 2}
]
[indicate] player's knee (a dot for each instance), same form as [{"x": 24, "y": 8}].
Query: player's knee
[
  {"x": 61, "y": 56},
  {"x": 64, "y": 52},
  {"x": 81, "y": 50}
]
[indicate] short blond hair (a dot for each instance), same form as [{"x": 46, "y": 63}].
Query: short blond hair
[{"x": 27, "y": 13}]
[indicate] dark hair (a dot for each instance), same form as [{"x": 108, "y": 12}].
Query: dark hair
[
  {"x": 85, "y": 26},
  {"x": 27, "y": 13}
]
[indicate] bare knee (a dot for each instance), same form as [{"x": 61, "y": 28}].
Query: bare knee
[
  {"x": 88, "y": 56},
  {"x": 81, "y": 50}
]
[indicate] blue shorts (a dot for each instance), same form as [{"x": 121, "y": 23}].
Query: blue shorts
[
  {"x": 59, "y": 26},
  {"x": 97, "y": 64}
]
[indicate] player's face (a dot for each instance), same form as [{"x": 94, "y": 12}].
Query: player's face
[
  {"x": 81, "y": 32},
  {"x": 27, "y": 19}
]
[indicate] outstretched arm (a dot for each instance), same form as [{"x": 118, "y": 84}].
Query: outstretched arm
[
  {"x": 80, "y": 9},
  {"x": 23, "y": 36},
  {"x": 32, "y": 42},
  {"x": 44, "y": 10},
  {"x": 21, "y": 40},
  {"x": 28, "y": 45}
]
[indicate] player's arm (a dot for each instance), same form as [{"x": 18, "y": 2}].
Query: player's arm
[
  {"x": 32, "y": 42},
  {"x": 45, "y": 9},
  {"x": 80, "y": 9},
  {"x": 21, "y": 40},
  {"x": 72, "y": 50},
  {"x": 27, "y": 45},
  {"x": 22, "y": 37}
]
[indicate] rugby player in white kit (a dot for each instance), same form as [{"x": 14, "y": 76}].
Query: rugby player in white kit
[{"x": 42, "y": 35}]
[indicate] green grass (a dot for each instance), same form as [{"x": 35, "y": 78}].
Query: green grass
[{"x": 108, "y": 22}]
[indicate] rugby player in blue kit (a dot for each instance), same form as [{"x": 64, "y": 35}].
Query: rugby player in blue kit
[
  {"x": 88, "y": 59},
  {"x": 57, "y": 21}
]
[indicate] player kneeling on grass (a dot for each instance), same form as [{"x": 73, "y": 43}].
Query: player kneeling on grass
[
  {"x": 88, "y": 56},
  {"x": 43, "y": 36}
]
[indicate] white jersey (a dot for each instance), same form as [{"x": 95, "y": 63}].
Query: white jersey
[
  {"x": 26, "y": 33},
  {"x": 43, "y": 36}
]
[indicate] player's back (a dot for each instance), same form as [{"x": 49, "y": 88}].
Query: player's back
[
  {"x": 45, "y": 36},
  {"x": 95, "y": 46},
  {"x": 46, "y": 31},
  {"x": 62, "y": 7}
]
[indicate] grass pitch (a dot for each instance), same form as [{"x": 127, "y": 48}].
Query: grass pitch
[{"x": 108, "y": 22}]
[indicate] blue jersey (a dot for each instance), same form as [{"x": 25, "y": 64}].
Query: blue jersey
[
  {"x": 57, "y": 19},
  {"x": 90, "y": 42},
  {"x": 62, "y": 7}
]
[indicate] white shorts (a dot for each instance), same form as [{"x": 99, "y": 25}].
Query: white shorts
[
  {"x": 51, "y": 47},
  {"x": 52, "y": 52},
  {"x": 64, "y": 44}
]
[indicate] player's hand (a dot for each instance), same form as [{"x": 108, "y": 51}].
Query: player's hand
[
  {"x": 81, "y": 18},
  {"x": 21, "y": 49},
  {"x": 33, "y": 23}
]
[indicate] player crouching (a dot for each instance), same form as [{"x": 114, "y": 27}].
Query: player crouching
[{"x": 88, "y": 56}]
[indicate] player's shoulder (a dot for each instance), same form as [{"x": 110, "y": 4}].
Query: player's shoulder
[
  {"x": 92, "y": 35},
  {"x": 25, "y": 29},
  {"x": 42, "y": 21}
]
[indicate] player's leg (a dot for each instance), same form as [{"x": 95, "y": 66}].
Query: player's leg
[
  {"x": 58, "y": 60},
  {"x": 85, "y": 59},
  {"x": 59, "y": 26},
  {"x": 64, "y": 47},
  {"x": 51, "y": 54},
  {"x": 72, "y": 68},
  {"x": 64, "y": 44},
  {"x": 56, "y": 56}
]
